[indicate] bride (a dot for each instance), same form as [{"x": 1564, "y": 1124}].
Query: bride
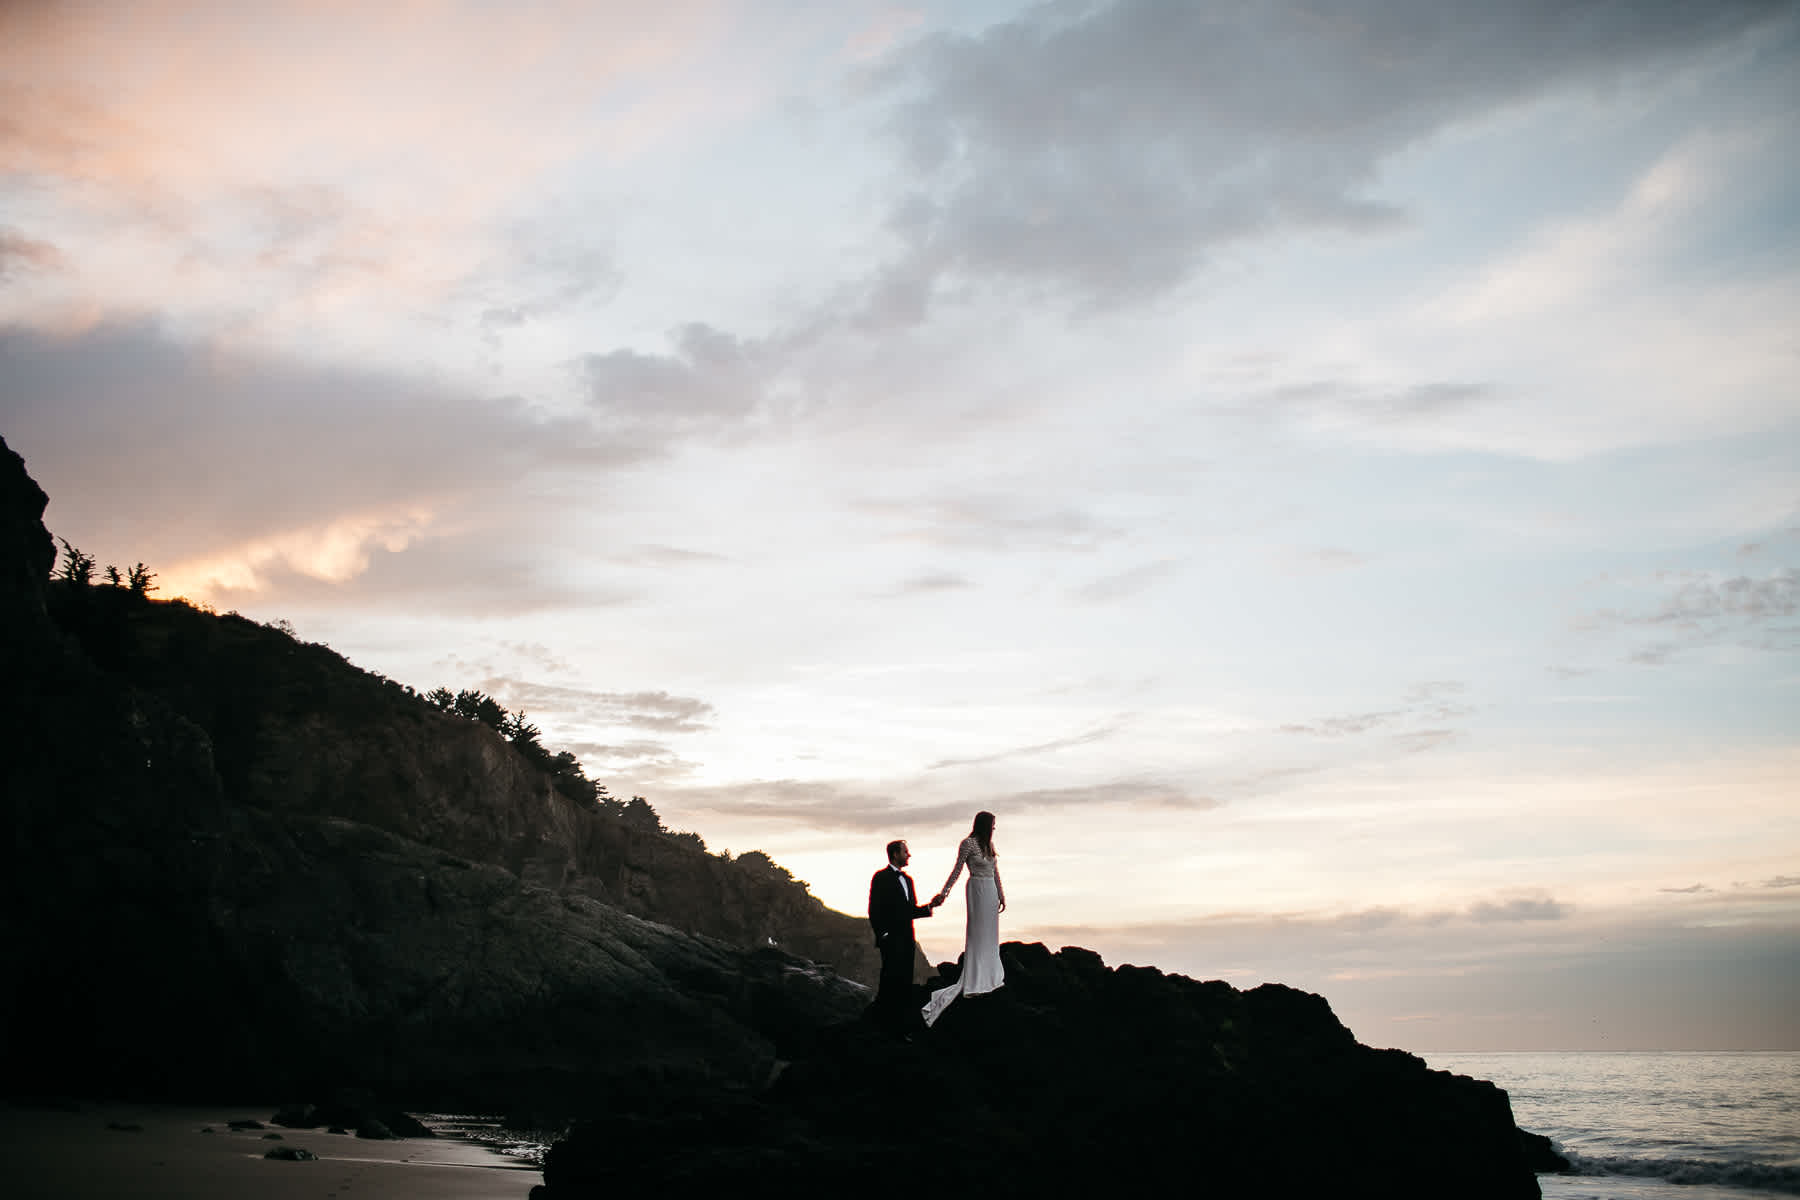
[{"x": 985, "y": 899}]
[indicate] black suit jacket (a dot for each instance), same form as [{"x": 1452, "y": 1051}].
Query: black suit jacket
[{"x": 889, "y": 909}]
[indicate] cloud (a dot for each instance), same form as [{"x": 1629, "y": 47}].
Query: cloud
[
  {"x": 188, "y": 138},
  {"x": 1739, "y": 597},
  {"x": 627, "y": 751},
  {"x": 264, "y": 468},
  {"x": 1135, "y": 793},
  {"x": 652, "y": 555},
  {"x": 1125, "y": 584},
  {"x": 657, "y": 711},
  {"x": 536, "y": 652},
  {"x": 713, "y": 382},
  {"x": 640, "y": 762},
  {"x": 19, "y": 254},
  {"x": 1347, "y": 725},
  {"x": 495, "y": 569},
  {"x": 1068, "y": 743},
  {"x": 1438, "y": 698},
  {"x": 932, "y": 582},
  {"x": 1698, "y": 608},
  {"x": 1781, "y": 881},
  {"x": 991, "y": 523},
  {"x": 1340, "y": 405},
  {"x": 1783, "y": 538},
  {"x": 1691, "y": 889},
  {"x": 1430, "y": 700},
  {"x": 840, "y": 805},
  {"x": 814, "y": 804},
  {"x": 1524, "y": 908},
  {"x": 546, "y": 273},
  {"x": 1109, "y": 149},
  {"x": 1421, "y": 740}
]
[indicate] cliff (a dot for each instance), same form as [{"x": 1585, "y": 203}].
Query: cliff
[
  {"x": 238, "y": 862},
  {"x": 295, "y": 729}
]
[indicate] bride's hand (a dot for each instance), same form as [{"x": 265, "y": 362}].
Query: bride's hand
[{"x": 1003, "y": 906}]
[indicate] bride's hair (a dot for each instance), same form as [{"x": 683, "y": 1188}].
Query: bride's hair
[{"x": 983, "y": 833}]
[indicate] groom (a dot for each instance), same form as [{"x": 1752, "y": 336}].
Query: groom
[{"x": 893, "y": 905}]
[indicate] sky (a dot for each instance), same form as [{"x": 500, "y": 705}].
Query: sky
[{"x": 1325, "y": 475}]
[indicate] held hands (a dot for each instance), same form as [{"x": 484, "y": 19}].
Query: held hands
[{"x": 938, "y": 899}]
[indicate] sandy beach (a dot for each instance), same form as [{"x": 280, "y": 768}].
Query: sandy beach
[{"x": 98, "y": 1153}]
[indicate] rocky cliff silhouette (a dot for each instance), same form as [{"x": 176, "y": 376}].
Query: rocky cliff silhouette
[
  {"x": 241, "y": 867},
  {"x": 239, "y": 862}
]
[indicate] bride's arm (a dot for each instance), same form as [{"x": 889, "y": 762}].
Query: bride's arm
[
  {"x": 999, "y": 887},
  {"x": 962, "y": 856}
]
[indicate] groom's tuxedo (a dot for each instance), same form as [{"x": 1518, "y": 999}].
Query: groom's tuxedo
[{"x": 893, "y": 906}]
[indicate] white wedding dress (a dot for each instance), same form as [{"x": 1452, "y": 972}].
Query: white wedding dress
[{"x": 981, "y": 969}]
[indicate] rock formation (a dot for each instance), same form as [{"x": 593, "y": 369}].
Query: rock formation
[{"x": 1079, "y": 1079}]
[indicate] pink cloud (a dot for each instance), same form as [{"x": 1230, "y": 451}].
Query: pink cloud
[{"x": 311, "y": 155}]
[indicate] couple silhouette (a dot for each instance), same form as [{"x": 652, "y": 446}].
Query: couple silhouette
[{"x": 894, "y": 906}]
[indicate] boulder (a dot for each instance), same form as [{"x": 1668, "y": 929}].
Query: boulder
[{"x": 291, "y": 1154}]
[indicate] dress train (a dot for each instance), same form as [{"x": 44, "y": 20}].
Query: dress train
[{"x": 981, "y": 969}]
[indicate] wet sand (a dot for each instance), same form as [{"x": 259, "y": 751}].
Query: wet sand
[{"x": 56, "y": 1155}]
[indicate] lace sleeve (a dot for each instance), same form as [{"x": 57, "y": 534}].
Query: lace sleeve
[{"x": 962, "y": 856}]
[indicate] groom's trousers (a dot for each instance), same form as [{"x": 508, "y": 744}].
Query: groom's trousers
[{"x": 894, "y": 996}]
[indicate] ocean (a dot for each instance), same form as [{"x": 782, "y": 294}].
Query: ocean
[{"x": 1656, "y": 1126}]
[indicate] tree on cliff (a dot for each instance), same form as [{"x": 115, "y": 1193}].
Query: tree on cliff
[
  {"x": 524, "y": 737},
  {"x": 77, "y": 567},
  {"x": 762, "y": 864},
  {"x": 137, "y": 579},
  {"x": 479, "y": 706},
  {"x": 640, "y": 815}
]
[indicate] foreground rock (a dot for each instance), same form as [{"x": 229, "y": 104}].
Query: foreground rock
[{"x": 1074, "y": 1076}]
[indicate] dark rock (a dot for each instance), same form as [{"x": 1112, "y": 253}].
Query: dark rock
[
  {"x": 350, "y": 1107},
  {"x": 1061, "y": 1077},
  {"x": 27, "y": 553},
  {"x": 1541, "y": 1156},
  {"x": 245, "y": 1125},
  {"x": 296, "y": 1116},
  {"x": 272, "y": 1137},
  {"x": 375, "y": 1131},
  {"x": 337, "y": 1129},
  {"x": 292, "y": 1154}
]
